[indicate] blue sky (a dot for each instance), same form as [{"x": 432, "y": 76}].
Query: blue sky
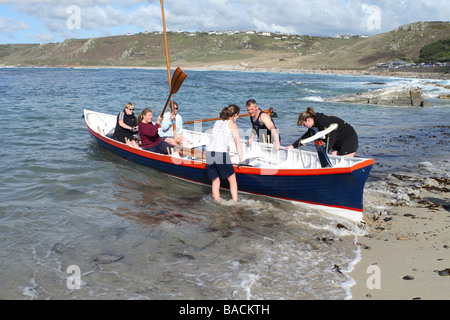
[{"x": 33, "y": 21}]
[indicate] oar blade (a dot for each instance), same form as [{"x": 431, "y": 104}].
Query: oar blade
[{"x": 177, "y": 79}]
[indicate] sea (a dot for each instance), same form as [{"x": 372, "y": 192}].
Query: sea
[{"x": 78, "y": 222}]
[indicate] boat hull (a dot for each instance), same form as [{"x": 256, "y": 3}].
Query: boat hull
[{"x": 336, "y": 190}]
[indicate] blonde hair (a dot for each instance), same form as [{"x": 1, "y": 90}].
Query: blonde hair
[
  {"x": 309, "y": 113},
  {"x": 129, "y": 105},
  {"x": 229, "y": 111},
  {"x": 143, "y": 113}
]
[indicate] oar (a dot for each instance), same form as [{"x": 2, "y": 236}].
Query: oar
[
  {"x": 268, "y": 111},
  {"x": 177, "y": 79},
  {"x": 165, "y": 43},
  {"x": 174, "y": 126}
]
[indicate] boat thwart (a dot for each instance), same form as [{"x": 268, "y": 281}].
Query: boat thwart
[{"x": 287, "y": 174}]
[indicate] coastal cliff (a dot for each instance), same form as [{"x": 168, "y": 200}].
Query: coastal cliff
[{"x": 239, "y": 50}]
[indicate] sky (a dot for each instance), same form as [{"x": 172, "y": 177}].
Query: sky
[{"x": 33, "y": 21}]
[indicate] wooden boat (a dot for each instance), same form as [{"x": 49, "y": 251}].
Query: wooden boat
[{"x": 287, "y": 174}]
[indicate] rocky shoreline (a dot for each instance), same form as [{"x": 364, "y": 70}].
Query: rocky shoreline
[
  {"x": 398, "y": 96},
  {"x": 243, "y": 67}
]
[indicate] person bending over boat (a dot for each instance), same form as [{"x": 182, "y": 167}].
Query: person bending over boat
[
  {"x": 126, "y": 125},
  {"x": 148, "y": 132},
  {"x": 218, "y": 162},
  {"x": 262, "y": 125},
  {"x": 343, "y": 141},
  {"x": 166, "y": 131}
]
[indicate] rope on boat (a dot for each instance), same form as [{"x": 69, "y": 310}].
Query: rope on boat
[{"x": 300, "y": 152}]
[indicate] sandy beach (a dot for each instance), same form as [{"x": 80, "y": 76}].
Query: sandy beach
[
  {"x": 405, "y": 253},
  {"x": 405, "y": 250}
]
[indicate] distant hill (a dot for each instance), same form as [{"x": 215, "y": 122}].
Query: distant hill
[{"x": 240, "y": 49}]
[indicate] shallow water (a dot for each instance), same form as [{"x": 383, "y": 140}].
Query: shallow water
[{"x": 135, "y": 233}]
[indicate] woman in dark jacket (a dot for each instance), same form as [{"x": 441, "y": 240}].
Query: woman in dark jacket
[
  {"x": 343, "y": 141},
  {"x": 126, "y": 125}
]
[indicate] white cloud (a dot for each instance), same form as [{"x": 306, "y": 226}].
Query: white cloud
[
  {"x": 313, "y": 17},
  {"x": 10, "y": 26}
]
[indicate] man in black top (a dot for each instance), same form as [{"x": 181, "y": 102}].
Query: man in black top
[{"x": 263, "y": 125}]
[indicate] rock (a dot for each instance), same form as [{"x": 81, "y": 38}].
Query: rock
[
  {"x": 443, "y": 273},
  {"x": 408, "y": 277},
  {"x": 398, "y": 96},
  {"x": 444, "y": 96},
  {"x": 341, "y": 226},
  {"x": 426, "y": 103}
]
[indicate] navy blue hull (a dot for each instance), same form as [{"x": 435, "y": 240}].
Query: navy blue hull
[{"x": 337, "y": 188}]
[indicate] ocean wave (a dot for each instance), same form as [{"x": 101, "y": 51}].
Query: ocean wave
[{"x": 313, "y": 98}]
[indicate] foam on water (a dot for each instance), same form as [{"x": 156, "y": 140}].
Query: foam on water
[{"x": 138, "y": 234}]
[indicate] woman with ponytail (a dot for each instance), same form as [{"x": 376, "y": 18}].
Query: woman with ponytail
[
  {"x": 218, "y": 162},
  {"x": 343, "y": 141}
]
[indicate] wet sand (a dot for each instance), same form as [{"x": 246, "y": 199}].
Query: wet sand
[{"x": 405, "y": 253}]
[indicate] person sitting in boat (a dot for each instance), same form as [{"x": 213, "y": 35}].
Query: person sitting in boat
[
  {"x": 172, "y": 119},
  {"x": 126, "y": 125},
  {"x": 148, "y": 132},
  {"x": 218, "y": 162},
  {"x": 262, "y": 125},
  {"x": 343, "y": 141}
]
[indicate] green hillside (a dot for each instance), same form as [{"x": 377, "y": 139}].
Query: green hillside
[
  {"x": 438, "y": 51},
  {"x": 235, "y": 49}
]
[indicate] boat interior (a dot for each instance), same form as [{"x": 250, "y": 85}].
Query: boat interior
[{"x": 261, "y": 155}]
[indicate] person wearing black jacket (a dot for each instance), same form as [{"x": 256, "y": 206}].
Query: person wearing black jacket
[
  {"x": 342, "y": 141},
  {"x": 126, "y": 125}
]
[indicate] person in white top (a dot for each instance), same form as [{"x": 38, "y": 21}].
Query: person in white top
[
  {"x": 218, "y": 162},
  {"x": 166, "y": 131}
]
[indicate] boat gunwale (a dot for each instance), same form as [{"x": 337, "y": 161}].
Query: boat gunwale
[{"x": 238, "y": 169}]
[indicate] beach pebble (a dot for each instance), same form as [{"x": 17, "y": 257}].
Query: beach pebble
[
  {"x": 341, "y": 226},
  {"x": 443, "y": 273}
]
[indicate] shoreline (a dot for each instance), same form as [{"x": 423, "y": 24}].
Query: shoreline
[
  {"x": 245, "y": 68},
  {"x": 409, "y": 246},
  {"x": 405, "y": 253}
]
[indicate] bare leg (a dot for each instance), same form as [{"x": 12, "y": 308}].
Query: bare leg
[
  {"x": 233, "y": 187},
  {"x": 336, "y": 153},
  {"x": 216, "y": 189},
  {"x": 170, "y": 141},
  {"x": 350, "y": 154}
]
